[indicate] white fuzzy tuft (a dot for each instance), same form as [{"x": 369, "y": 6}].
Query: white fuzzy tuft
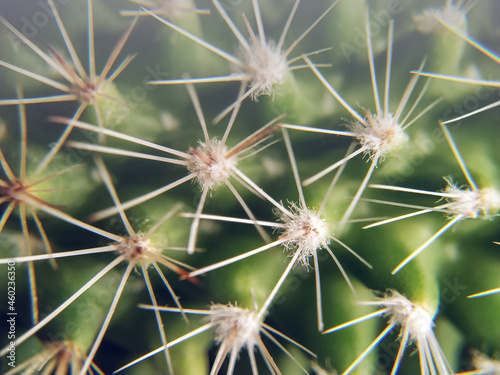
[
  {"x": 266, "y": 66},
  {"x": 236, "y": 326},
  {"x": 472, "y": 204},
  {"x": 383, "y": 135},
  {"x": 452, "y": 14},
  {"x": 415, "y": 323},
  {"x": 406, "y": 314},
  {"x": 135, "y": 248},
  {"x": 485, "y": 365},
  {"x": 307, "y": 232},
  {"x": 210, "y": 163}
]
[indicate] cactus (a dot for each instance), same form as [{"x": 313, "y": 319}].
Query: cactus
[{"x": 225, "y": 152}]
